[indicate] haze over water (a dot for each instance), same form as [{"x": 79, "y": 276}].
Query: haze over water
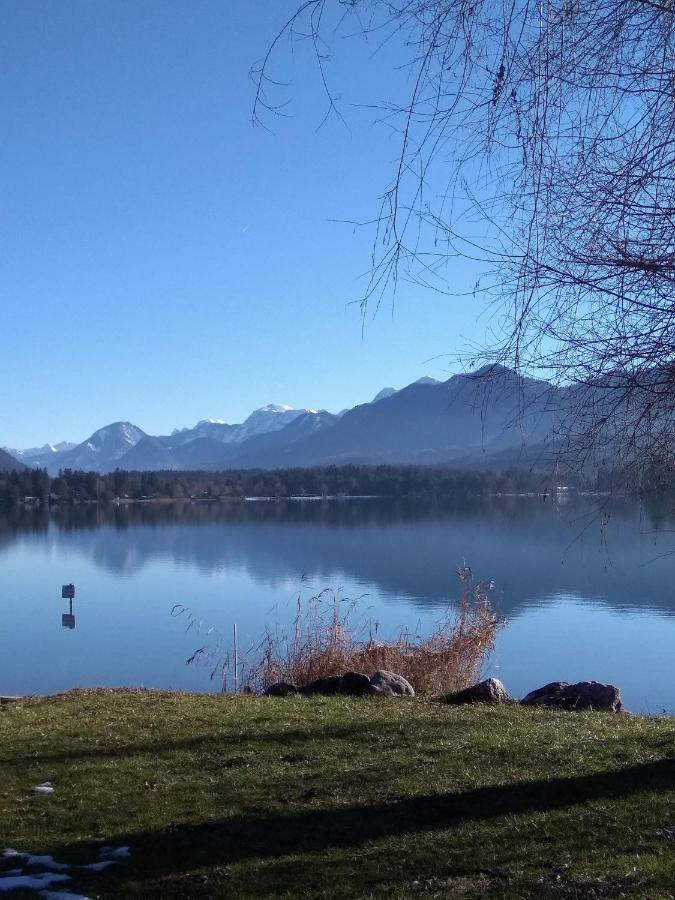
[{"x": 587, "y": 591}]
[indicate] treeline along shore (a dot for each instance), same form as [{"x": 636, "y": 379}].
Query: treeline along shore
[{"x": 37, "y": 486}]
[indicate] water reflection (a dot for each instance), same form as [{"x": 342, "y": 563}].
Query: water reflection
[
  {"x": 617, "y": 554},
  {"x": 68, "y": 619}
]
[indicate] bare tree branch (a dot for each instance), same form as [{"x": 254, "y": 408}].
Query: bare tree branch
[{"x": 538, "y": 139}]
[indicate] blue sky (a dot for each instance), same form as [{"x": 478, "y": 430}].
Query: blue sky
[{"x": 163, "y": 260}]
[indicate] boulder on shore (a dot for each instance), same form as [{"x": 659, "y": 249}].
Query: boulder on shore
[
  {"x": 489, "y": 691},
  {"x": 582, "y": 695},
  {"x": 328, "y": 685},
  {"x": 353, "y": 684},
  {"x": 356, "y": 684},
  {"x": 389, "y": 683}
]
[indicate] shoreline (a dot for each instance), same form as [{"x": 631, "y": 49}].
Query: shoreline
[
  {"x": 563, "y": 497},
  {"x": 94, "y": 691}
]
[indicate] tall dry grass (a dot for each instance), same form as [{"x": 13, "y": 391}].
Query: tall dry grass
[{"x": 326, "y": 639}]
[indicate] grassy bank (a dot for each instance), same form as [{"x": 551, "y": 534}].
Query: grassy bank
[{"x": 340, "y": 797}]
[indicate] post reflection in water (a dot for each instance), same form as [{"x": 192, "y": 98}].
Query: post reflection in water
[{"x": 68, "y": 619}]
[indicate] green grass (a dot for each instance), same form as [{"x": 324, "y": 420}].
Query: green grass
[{"x": 340, "y": 797}]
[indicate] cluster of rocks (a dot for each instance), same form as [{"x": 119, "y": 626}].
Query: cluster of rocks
[
  {"x": 557, "y": 694},
  {"x": 354, "y": 684}
]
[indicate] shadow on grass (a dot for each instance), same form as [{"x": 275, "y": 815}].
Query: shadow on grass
[
  {"x": 180, "y": 849},
  {"x": 208, "y": 741}
]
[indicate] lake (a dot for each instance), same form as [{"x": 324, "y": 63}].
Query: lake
[{"x": 586, "y": 586}]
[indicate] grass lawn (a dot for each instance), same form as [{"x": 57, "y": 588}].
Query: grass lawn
[{"x": 339, "y": 797}]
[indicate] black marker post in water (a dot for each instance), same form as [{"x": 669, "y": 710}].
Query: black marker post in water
[{"x": 68, "y": 593}]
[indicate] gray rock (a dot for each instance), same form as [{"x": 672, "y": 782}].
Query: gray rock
[
  {"x": 582, "y": 695},
  {"x": 489, "y": 691},
  {"x": 380, "y": 690},
  {"x": 281, "y": 689},
  {"x": 396, "y": 683}
]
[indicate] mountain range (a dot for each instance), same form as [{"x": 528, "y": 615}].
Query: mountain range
[{"x": 491, "y": 417}]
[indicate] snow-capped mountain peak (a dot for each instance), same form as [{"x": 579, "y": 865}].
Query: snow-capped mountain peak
[
  {"x": 273, "y": 408},
  {"x": 101, "y": 450},
  {"x": 384, "y": 393},
  {"x": 272, "y": 417},
  {"x": 40, "y": 456},
  {"x": 120, "y": 434}
]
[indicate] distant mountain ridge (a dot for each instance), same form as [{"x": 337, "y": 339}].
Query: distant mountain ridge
[
  {"x": 270, "y": 418},
  {"x": 428, "y": 421},
  {"x": 431, "y": 422},
  {"x": 490, "y": 417},
  {"x": 40, "y": 454}
]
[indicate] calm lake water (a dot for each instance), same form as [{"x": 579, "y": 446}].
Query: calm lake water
[{"x": 586, "y": 589}]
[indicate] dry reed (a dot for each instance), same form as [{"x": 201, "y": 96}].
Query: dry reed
[{"x": 325, "y": 641}]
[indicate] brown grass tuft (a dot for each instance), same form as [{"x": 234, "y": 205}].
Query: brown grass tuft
[{"x": 325, "y": 641}]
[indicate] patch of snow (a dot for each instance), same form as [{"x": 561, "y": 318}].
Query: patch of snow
[
  {"x": 45, "y": 788},
  {"x": 115, "y": 852},
  {"x": 62, "y": 895},
  {"x": 45, "y": 862},
  {"x": 99, "y": 866},
  {"x": 274, "y": 408},
  {"x": 63, "y": 446},
  {"x": 31, "y": 882},
  {"x": 17, "y": 880},
  {"x": 30, "y": 452}
]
